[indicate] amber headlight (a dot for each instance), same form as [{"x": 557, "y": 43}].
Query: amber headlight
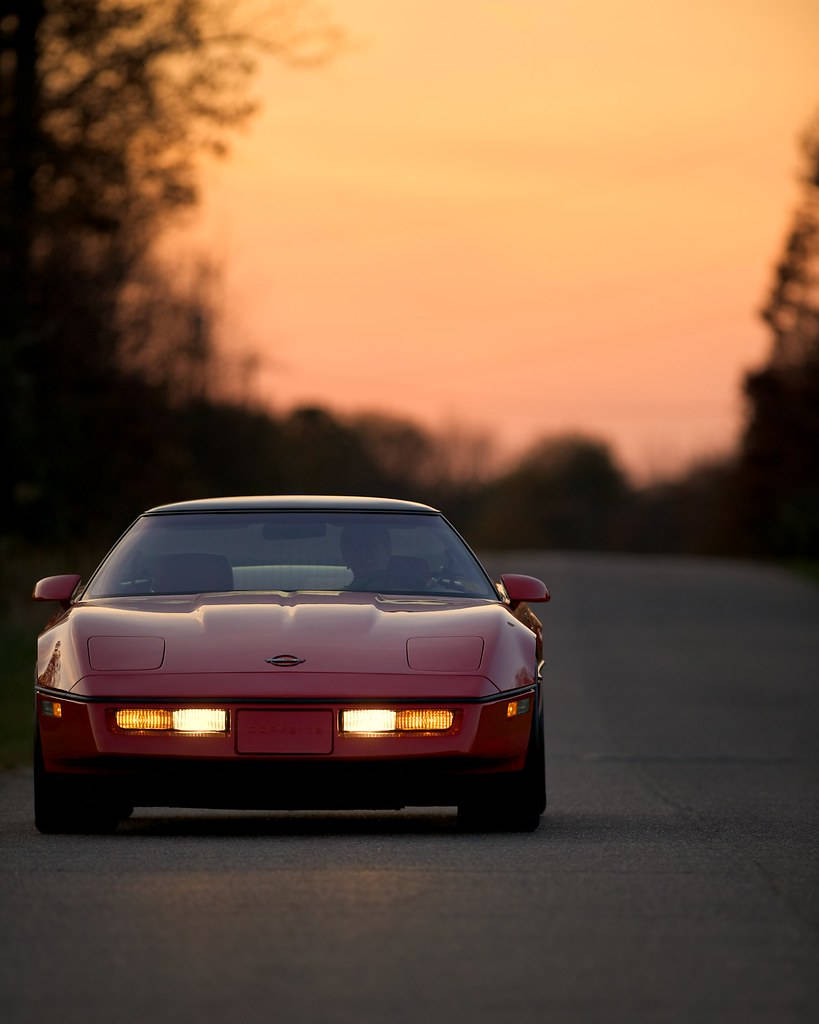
[
  {"x": 376, "y": 721},
  {"x": 199, "y": 721}
]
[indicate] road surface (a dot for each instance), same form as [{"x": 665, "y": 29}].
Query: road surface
[{"x": 674, "y": 878}]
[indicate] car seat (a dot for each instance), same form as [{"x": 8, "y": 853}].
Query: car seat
[{"x": 191, "y": 573}]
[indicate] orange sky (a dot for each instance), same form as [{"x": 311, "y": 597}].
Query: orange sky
[{"x": 521, "y": 215}]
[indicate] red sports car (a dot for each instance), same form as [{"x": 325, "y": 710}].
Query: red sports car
[{"x": 289, "y": 652}]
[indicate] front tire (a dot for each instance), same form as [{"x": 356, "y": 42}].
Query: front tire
[
  {"x": 512, "y": 804},
  {"x": 63, "y": 804}
]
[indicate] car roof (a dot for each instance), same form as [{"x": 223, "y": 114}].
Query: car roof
[{"x": 305, "y": 502}]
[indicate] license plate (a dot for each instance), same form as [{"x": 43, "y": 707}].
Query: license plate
[{"x": 285, "y": 732}]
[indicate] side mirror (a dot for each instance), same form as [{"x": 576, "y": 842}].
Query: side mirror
[
  {"x": 57, "y": 588},
  {"x": 524, "y": 588}
]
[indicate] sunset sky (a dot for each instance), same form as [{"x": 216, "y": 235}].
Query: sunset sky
[{"x": 522, "y": 216}]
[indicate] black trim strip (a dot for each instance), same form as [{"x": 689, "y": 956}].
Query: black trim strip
[{"x": 79, "y": 698}]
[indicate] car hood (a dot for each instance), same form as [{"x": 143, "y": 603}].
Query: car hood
[{"x": 328, "y": 633}]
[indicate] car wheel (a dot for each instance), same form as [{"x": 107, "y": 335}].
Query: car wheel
[
  {"x": 66, "y": 805},
  {"x": 512, "y": 804}
]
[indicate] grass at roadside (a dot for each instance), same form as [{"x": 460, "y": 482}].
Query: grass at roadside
[
  {"x": 16, "y": 695},
  {"x": 806, "y": 567}
]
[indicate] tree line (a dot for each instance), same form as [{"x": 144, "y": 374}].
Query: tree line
[{"x": 113, "y": 387}]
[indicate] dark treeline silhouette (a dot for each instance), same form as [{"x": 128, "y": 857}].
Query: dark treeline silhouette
[
  {"x": 107, "y": 364},
  {"x": 115, "y": 396},
  {"x": 778, "y": 466}
]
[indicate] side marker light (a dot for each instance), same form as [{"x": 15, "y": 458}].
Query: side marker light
[{"x": 518, "y": 707}]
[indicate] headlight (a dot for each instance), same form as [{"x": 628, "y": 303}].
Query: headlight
[
  {"x": 377, "y": 721},
  {"x": 201, "y": 721}
]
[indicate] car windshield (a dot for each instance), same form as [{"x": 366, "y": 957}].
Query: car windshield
[{"x": 201, "y": 552}]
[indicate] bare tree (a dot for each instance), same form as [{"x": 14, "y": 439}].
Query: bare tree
[
  {"x": 792, "y": 310},
  {"x": 778, "y": 472},
  {"x": 104, "y": 107},
  {"x": 108, "y": 102}
]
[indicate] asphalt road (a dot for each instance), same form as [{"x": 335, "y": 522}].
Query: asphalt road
[{"x": 675, "y": 876}]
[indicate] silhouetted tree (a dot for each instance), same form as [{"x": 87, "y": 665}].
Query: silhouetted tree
[
  {"x": 323, "y": 454},
  {"x": 778, "y": 473},
  {"x": 404, "y": 454},
  {"x": 566, "y": 492},
  {"x": 692, "y": 513},
  {"x": 447, "y": 468},
  {"x": 104, "y": 106}
]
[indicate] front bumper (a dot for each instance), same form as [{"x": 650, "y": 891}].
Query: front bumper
[{"x": 374, "y": 771}]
